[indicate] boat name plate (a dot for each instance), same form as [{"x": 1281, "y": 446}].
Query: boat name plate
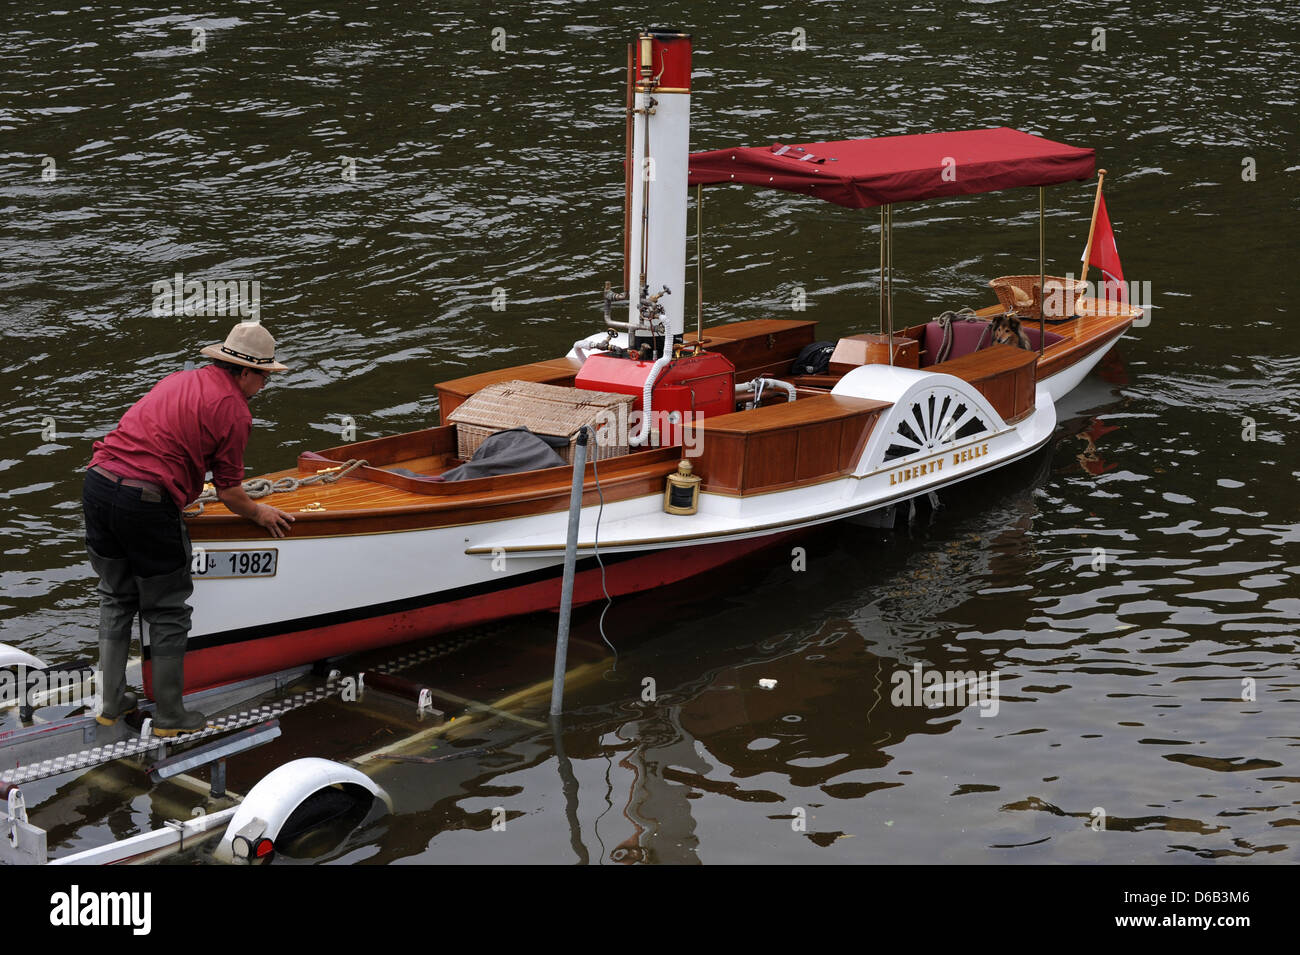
[{"x": 211, "y": 564}]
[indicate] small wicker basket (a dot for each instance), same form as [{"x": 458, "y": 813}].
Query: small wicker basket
[
  {"x": 1020, "y": 294},
  {"x": 542, "y": 409}
]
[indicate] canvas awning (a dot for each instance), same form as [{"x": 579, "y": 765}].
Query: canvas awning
[{"x": 860, "y": 173}]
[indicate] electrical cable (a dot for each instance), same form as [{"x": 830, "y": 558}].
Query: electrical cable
[{"x": 595, "y": 543}]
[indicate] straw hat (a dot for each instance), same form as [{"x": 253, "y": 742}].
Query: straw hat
[{"x": 248, "y": 344}]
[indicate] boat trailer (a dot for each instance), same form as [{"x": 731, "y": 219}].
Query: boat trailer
[{"x": 64, "y": 737}]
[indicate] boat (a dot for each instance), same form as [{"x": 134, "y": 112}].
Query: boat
[{"x": 385, "y": 549}]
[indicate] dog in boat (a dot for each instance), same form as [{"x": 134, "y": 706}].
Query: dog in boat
[{"x": 1005, "y": 330}]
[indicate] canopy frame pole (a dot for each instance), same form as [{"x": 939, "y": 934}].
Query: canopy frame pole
[
  {"x": 882, "y": 270},
  {"x": 889, "y": 311},
  {"x": 1042, "y": 267},
  {"x": 699, "y": 264}
]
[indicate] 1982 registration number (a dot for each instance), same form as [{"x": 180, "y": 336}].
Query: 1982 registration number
[{"x": 234, "y": 563}]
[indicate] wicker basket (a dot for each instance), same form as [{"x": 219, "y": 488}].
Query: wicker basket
[
  {"x": 1025, "y": 304},
  {"x": 542, "y": 409}
]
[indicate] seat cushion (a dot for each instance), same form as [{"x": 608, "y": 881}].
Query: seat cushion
[
  {"x": 966, "y": 337},
  {"x": 969, "y": 336}
]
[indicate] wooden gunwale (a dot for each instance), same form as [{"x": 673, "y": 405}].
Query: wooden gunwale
[
  {"x": 1098, "y": 331},
  {"x": 362, "y": 505}
]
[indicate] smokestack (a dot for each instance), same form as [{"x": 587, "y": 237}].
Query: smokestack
[{"x": 660, "y": 65}]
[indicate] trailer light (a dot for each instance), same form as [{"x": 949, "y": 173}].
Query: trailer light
[{"x": 248, "y": 849}]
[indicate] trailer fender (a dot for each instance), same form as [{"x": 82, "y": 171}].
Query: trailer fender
[
  {"x": 11, "y": 656},
  {"x": 271, "y": 802}
]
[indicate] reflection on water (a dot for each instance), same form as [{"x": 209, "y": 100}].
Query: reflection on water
[{"x": 1135, "y": 590}]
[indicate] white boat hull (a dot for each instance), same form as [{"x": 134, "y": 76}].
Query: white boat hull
[{"x": 338, "y": 594}]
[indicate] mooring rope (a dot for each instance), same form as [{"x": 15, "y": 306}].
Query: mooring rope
[
  {"x": 264, "y": 487},
  {"x": 945, "y": 324}
]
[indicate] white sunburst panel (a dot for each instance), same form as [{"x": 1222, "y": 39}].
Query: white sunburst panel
[
  {"x": 930, "y": 412},
  {"x": 930, "y": 416}
]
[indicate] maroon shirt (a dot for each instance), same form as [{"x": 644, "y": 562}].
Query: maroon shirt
[{"x": 189, "y": 423}]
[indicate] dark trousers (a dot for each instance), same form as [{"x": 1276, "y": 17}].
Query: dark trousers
[{"x": 141, "y": 550}]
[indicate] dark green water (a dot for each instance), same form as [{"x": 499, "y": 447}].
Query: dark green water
[{"x": 477, "y": 169}]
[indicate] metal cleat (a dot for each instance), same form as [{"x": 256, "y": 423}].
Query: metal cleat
[{"x": 425, "y": 706}]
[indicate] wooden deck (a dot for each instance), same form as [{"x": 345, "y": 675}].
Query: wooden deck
[{"x": 777, "y": 446}]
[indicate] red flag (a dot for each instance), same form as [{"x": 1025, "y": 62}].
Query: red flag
[{"x": 1105, "y": 256}]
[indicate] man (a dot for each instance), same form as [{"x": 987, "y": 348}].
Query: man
[{"x": 142, "y": 475}]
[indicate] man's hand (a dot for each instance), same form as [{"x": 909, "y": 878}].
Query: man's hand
[{"x": 273, "y": 519}]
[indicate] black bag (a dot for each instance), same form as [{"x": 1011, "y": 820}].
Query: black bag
[{"x": 814, "y": 359}]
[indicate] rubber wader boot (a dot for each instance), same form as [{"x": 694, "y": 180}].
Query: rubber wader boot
[
  {"x": 163, "y": 606},
  {"x": 171, "y": 718},
  {"x": 118, "y": 602}
]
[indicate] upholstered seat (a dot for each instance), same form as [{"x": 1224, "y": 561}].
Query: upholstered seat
[
  {"x": 1031, "y": 332},
  {"x": 968, "y": 337}
]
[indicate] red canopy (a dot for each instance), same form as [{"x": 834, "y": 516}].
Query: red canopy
[{"x": 859, "y": 173}]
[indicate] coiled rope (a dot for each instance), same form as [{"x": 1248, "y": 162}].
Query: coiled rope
[
  {"x": 265, "y": 487},
  {"x": 945, "y": 324}
]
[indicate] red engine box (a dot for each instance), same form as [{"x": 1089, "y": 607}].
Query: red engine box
[
  {"x": 688, "y": 389},
  {"x": 622, "y": 376},
  {"x": 703, "y": 383}
]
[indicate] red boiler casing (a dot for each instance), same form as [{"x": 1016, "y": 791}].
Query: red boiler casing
[
  {"x": 669, "y": 58},
  {"x": 689, "y": 389}
]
